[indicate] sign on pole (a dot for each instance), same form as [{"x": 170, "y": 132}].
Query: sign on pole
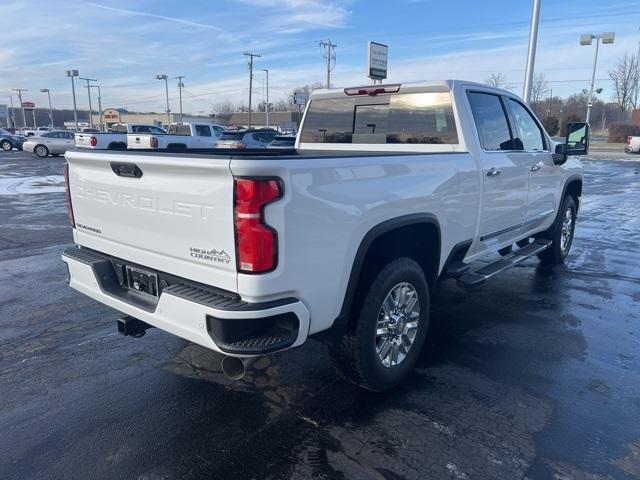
[
  {"x": 377, "y": 60},
  {"x": 299, "y": 98}
]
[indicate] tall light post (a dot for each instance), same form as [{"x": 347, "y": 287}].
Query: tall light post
[
  {"x": 166, "y": 89},
  {"x": 586, "y": 39},
  {"x": 266, "y": 107},
  {"x": 251, "y": 57},
  {"x": 180, "y": 87},
  {"x": 46, "y": 90},
  {"x": 71, "y": 74},
  {"x": 88, "y": 87},
  {"x": 531, "y": 55},
  {"x": 24, "y": 118}
]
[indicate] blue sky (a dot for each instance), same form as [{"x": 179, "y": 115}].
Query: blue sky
[{"x": 125, "y": 43}]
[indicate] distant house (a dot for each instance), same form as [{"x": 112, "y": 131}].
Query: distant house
[{"x": 283, "y": 121}]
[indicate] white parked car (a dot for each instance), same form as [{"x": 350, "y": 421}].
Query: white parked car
[
  {"x": 633, "y": 145},
  {"x": 53, "y": 143},
  {"x": 391, "y": 189},
  {"x": 180, "y": 135}
]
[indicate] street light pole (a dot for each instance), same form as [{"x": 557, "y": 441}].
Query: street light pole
[
  {"x": 88, "y": 87},
  {"x": 166, "y": 89},
  {"x": 71, "y": 74},
  {"x": 586, "y": 39},
  {"x": 531, "y": 55},
  {"x": 266, "y": 108},
  {"x": 24, "y": 118},
  {"x": 250, "y": 55},
  {"x": 46, "y": 90},
  {"x": 180, "y": 87}
]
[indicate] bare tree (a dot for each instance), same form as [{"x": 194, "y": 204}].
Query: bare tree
[
  {"x": 539, "y": 89},
  {"x": 626, "y": 81},
  {"x": 498, "y": 80},
  {"x": 225, "y": 107}
]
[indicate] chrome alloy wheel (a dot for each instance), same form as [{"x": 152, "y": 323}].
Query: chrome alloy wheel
[
  {"x": 397, "y": 324},
  {"x": 567, "y": 230}
]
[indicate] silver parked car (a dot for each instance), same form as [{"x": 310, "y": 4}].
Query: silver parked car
[
  {"x": 241, "y": 139},
  {"x": 50, "y": 143}
]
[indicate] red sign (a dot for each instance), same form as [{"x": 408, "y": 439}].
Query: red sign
[{"x": 28, "y": 104}]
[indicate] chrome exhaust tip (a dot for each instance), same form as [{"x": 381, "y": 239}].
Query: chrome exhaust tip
[{"x": 235, "y": 368}]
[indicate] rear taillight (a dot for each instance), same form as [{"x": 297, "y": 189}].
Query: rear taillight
[
  {"x": 93, "y": 141},
  {"x": 628, "y": 140},
  {"x": 256, "y": 242},
  {"x": 67, "y": 189},
  {"x": 153, "y": 141}
]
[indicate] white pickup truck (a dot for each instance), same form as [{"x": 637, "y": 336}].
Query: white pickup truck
[
  {"x": 392, "y": 188},
  {"x": 180, "y": 135},
  {"x": 116, "y": 137},
  {"x": 633, "y": 145}
]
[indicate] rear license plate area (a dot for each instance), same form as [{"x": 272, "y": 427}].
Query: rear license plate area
[{"x": 142, "y": 281}]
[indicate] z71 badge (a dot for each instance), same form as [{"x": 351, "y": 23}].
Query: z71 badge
[{"x": 212, "y": 255}]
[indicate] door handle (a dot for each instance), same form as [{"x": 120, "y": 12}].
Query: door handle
[
  {"x": 493, "y": 172},
  {"x": 535, "y": 168}
]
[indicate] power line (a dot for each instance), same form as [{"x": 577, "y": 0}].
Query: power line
[{"x": 329, "y": 56}]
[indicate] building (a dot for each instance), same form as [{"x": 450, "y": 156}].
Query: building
[
  {"x": 283, "y": 121},
  {"x": 118, "y": 115}
]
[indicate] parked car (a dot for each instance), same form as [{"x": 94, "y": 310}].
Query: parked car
[
  {"x": 391, "y": 189},
  {"x": 242, "y": 139},
  {"x": 283, "y": 142},
  {"x": 180, "y": 135},
  {"x": 9, "y": 141},
  {"x": 115, "y": 138},
  {"x": 52, "y": 143},
  {"x": 633, "y": 145}
]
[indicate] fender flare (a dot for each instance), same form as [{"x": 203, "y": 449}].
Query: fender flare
[{"x": 338, "y": 328}]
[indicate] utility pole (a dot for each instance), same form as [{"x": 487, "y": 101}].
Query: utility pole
[
  {"x": 251, "y": 56},
  {"x": 531, "y": 55},
  {"x": 180, "y": 87},
  {"x": 330, "y": 57},
  {"x": 100, "y": 127},
  {"x": 46, "y": 90},
  {"x": 13, "y": 115},
  {"x": 71, "y": 74},
  {"x": 166, "y": 89},
  {"x": 24, "y": 118},
  {"x": 88, "y": 87},
  {"x": 266, "y": 108}
]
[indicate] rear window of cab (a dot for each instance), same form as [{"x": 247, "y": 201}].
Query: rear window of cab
[{"x": 403, "y": 118}]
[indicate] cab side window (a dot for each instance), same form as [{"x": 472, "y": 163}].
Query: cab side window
[
  {"x": 528, "y": 135},
  {"x": 203, "y": 131},
  {"x": 491, "y": 121}
]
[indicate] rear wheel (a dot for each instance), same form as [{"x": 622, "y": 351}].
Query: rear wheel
[
  {"x": 561, "y": 233},
  {"x": 41, "y": 151},
  {"x": 6, "y": 145},
  {"x": 384, "y": 340}
]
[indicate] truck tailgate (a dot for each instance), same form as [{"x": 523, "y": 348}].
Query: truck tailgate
[
  {"x": 83, "y": 140},
  {"x": 168, "y": 213},
  {"x": 138, "y": 140}
]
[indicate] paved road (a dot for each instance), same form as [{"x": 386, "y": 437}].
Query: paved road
[{"x": 535, "y": 376}]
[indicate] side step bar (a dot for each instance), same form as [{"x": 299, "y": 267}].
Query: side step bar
[{"x": 479, "y": 277}]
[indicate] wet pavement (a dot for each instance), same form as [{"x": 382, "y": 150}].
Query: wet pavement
[{"x": 536, "y": 375}]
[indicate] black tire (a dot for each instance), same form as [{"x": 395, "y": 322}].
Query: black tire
[
  {"x": 356, "y": 357},
  {"x": 559, "y": 248},
  {"x": 41, "y": 151},
  {"x": 6, "y": 145}
]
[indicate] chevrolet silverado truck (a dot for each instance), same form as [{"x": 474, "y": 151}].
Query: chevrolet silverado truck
[
  {"x": 180, "y": 135},
  {"x": 116, "y": 137},
  {"x": 391, "y": 188}
]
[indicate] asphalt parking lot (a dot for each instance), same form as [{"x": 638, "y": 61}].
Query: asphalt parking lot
[{"x": 537, "y": 375}]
